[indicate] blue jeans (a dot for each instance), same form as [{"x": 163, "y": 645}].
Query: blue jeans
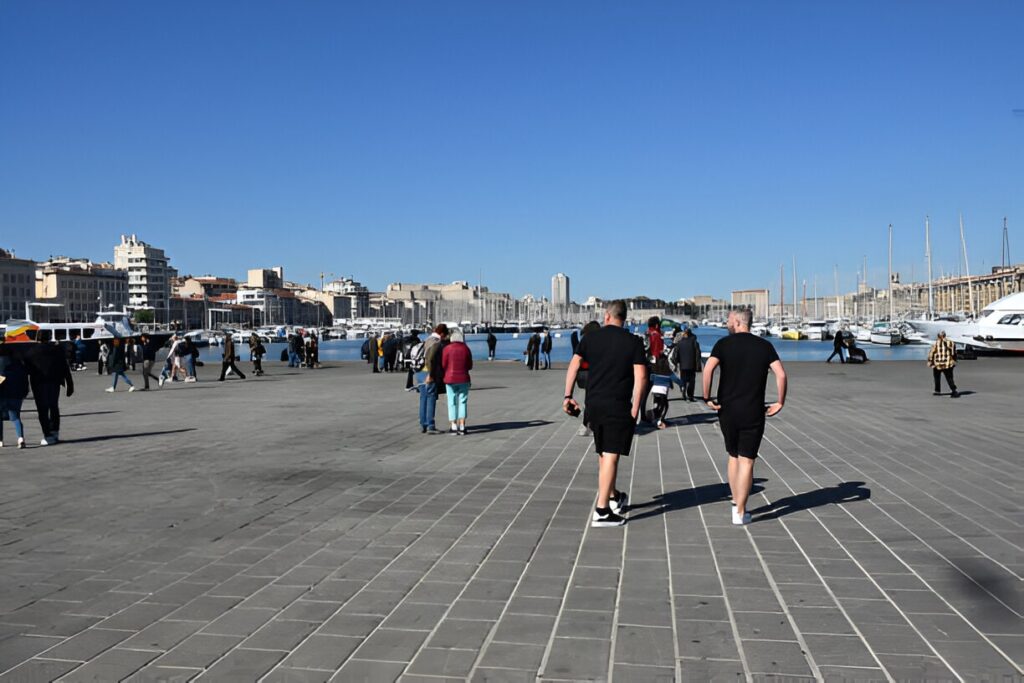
[
  {"x": 10, "y": 409},
  {"x": 428, "y": 401},
  {"x": 293, "y": 359},
  {"x": 190, "y": 366},
  {"x": 123, "y": 376}
]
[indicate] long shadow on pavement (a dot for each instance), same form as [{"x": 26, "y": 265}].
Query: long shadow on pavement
[
  {"x": 502, "y": 426},
  {"x": 108, "y": 437},
  {"x": 846, "y": 492},
  {"x": 686, "y": 498}
]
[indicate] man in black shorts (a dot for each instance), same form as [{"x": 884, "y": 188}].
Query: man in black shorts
[
  {"x": 615, "y": 387},
  {"x": 745, "y": 360}
]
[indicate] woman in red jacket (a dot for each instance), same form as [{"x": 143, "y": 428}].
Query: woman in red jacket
[{"x": 456, "y": 362}]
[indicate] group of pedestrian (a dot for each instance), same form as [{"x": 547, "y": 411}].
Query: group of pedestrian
[
  {"x": 180, "y": 364},
  {"x": 384, "y": 354},
  {"x": 616, "y": 363},
  {"x": 441, "y": 365},
  {"x": 42, "y": 367},
  {"x": 303, "y": 350},
  {"x": 538, "y": 350}
]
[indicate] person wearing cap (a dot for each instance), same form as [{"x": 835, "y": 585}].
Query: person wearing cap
[{"x": 942, "y": 360}]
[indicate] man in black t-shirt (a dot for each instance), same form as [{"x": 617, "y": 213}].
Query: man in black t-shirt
[
  {"x": 615, "y": 387},
  {"x": 745, "y": 360}
]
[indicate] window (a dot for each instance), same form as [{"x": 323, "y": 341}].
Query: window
[
  {"x": 60, "y": 335},
  {"x": 87, "y": 333},
  {"x": 1011, "y": 319}
]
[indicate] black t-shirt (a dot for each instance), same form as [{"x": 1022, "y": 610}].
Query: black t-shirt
[
  {"x": 610, "y": 352},
  {"x": 743, "y": 370}
]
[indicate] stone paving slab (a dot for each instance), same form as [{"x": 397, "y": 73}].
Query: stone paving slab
[{"x": 300, "y": 528}]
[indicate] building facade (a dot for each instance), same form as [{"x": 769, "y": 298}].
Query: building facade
[
  {"x": 207, "y": 285},
  {"x": 754, "y": 299},
  {"x": 149, "y": 275},
  {"x": 17, "y": 285},
  {"x": 266, "y": 278},
  {"x": 80, "y": 288}
]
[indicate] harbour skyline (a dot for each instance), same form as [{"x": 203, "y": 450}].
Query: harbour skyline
[{"x": 639, "y": 150}]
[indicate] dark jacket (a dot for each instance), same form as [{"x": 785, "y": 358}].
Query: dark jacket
[
  {"x": 372, "y": 346},
  {"x": 492, "y": 341},
  {"x": 118, "y": 359},
  {"x": 546, "y": 344},
  {"x": 574, "y": 340},
  {"x": 686, "y": 353},
  {"x": 149, "y": 351},
  {"x": 46, "y": 363},
  {"x": 229, "y": 348},
  {"x": 15, "y": 384}
]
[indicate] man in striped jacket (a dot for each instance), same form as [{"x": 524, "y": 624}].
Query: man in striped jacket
[{"x": 942, "y": 360}]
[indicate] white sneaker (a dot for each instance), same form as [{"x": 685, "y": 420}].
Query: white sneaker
[
  {"x": 21, "y": 442},
  {"x": 109, "y": 390},
  {"x": 47, "y": 441},
  {"x": 740, "y": 521},
  {"x": 131, "y": 389},
  {"x": 583, "y": 431},
  {"x": 1, "y": 444},
  {"x": 161, "y": 381},
  {"x": 619, "y": 503}
]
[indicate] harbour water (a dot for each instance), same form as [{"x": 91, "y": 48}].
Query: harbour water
[{"x": 511, "y": 347}]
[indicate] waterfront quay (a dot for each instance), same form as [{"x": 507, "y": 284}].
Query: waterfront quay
[{"x": 298, "y": 527}]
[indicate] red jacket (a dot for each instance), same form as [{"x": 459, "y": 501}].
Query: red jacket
[{"x": 457, "y": 361}]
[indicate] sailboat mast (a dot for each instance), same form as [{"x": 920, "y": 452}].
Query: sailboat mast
[
  {"x": 794, "y": 286},
  {"x": 835, "y": 276},
  {"x": 967, "y": 265},
  {"x": 928, "y": 254},
  {"x": 1004, "y": 260},
  {"x": 890, "y": 273},
  {"x": 782, "y": 292}
]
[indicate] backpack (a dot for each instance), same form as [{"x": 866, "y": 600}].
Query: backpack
[{"x": 418, "y": 357}]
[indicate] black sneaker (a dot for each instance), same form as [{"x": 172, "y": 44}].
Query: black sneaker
[
  {"x": 606, "y": 519},
  {"x": 619, "y": 502},
  {"x": 955, "y": 394}
]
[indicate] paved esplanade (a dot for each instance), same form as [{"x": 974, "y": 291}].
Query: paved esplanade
[{"x": 299, "y": 528}]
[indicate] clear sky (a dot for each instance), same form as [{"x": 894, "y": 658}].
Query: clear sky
[{"x": 667, "y": 149}]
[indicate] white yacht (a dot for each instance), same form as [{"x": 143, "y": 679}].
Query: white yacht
[
  {"x": 885, "y": 334},
  {"x": 999, "y": 327},
  {"x": 814, "y": 330}
]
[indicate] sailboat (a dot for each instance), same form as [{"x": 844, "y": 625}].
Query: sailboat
[{"x": 887, "y": 333}]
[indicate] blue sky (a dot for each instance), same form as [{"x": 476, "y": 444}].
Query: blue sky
[{"x": 666, "y": 149}]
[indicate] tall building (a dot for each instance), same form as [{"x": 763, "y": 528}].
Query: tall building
[
  {"x": 80, "y": 288},
  {"x": 560, "y": 291},
  {"x": 149, "y": 275},
  {"x": 17, "y": 285}
]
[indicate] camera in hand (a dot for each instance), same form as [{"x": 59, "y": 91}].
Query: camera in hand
[{"x": 573, "y": 409}]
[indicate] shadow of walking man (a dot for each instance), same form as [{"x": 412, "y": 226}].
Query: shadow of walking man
[
  {"x": 686, "y": 498},
  {"x": 846, "y": 492}
]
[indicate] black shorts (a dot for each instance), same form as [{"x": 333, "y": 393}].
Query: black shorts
[
  {"x": 613, "y": 436},
  {"x": 741, "y": 437}
]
